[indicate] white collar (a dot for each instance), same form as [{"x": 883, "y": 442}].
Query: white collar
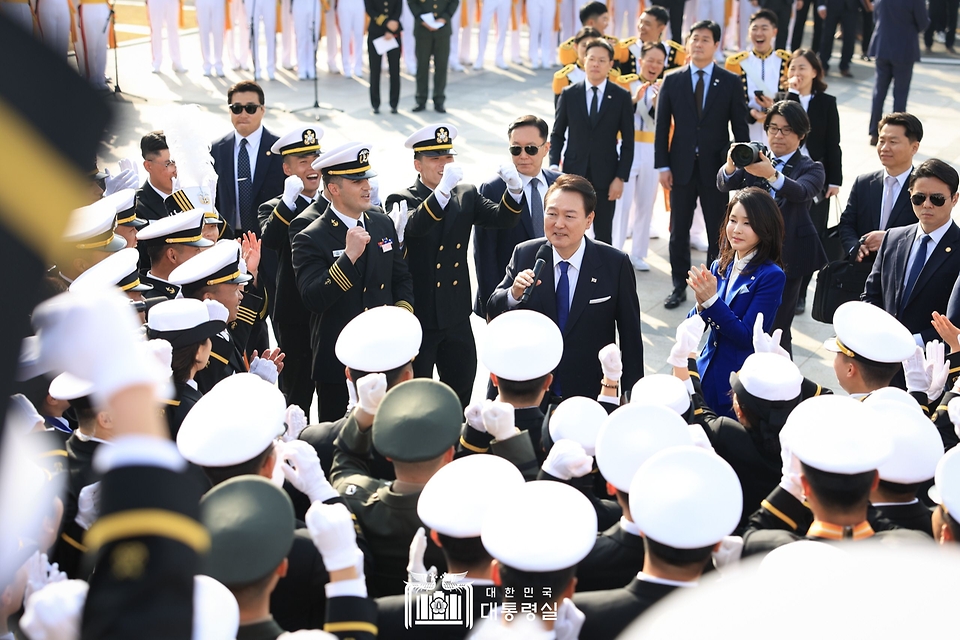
[
  {"x": 85, "y": 438},
  {"x": 600, "y": 87},
  {"x": 937, "y": 234},
  {"x": 672, "y": 583},
  {"x": 345, "y": 219},
  {"x": 159, "y": 279},
  {"x": 253, "y": 140},
  {"x": 629, "y": 526},
  {"x": 894, "y": 504},
  {"x": 193, "y": 385},
  {"x": 159, "y": 192},
  {"x": 576, "y": 259},
  {"x": 741, "y": 263},
  {"x": 526, "y": 179}
]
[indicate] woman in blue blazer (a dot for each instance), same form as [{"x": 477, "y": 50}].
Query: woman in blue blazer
[{"x": 746, "y": 280}]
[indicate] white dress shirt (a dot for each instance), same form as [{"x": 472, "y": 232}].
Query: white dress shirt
[
  {"x": 348, "y": 222},
  {"x": 573, "y": 273},
  {"x": 672, "y": 583},
  {"x": 159, "y": 193},
  {"x": 897, "y": 188},
  {"x": 600, "y": 89},
  {"x": 253, "y": 150}
]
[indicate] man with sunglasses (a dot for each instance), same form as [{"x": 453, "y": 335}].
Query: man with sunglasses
[
  {"x": 492, "y": 248},
  {"x": 917, "y": 265}
]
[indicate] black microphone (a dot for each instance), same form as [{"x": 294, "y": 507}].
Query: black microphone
[{"x": 542, "y": 256}]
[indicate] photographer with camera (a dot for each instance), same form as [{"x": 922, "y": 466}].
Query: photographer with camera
[{"x": 793, "y": 180}]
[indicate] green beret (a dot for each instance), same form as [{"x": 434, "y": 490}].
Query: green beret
[
  {"x": 251, "y": 525},
  {"x": 417, "y": 420}
]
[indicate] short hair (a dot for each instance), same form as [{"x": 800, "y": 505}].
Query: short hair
[
  {"x": 813, "y": 59},
  {"x": 765, "y": 220},
  {"x": 911, "y": 124},
  {"x": 795, "y": 115},
  {"x": 592, "y": 10},
  {"x": 652, "y": 46},
  {"x": 466, "y": 552},
  {"x": 708, "y": 25},
  {"x": 251, "y": 467},
  {"x": 542, "y": 582},
  {"x": 83, "y": 409},
  {"x": 530, "y": 121},
  {"x": 934, "y": 168},
  {"x": 839, "y": 491},
  {"x": 152, "y": 144},
  {"x": 875, "y": 374},
  {"x": 250, "y": 593},
  {"x": 660, "y": 13},
  {"x": 328, "y": 178},
  {"x": 765, "y": 14},
  {"x": 521, "y": 389},
  {"x": 243, "y": 86},
  {"x": 393, "y": 376},
  {"x": 678, "y": 557},
  {"x": 603, "y": 44},
  {"x": 571, "y": 182},
  {"x": 586, "y": 33}
]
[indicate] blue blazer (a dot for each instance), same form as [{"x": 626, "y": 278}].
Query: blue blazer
[
  {"x": 730, "y": 337},
  {"x": 897, "y": 24}
]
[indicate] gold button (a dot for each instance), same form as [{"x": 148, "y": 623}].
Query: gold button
[
  {"x": 366, "y": 309},
  {"x": 458, "y": 245},
  {"x": 454, "y": 283},
  {"x": 438, "y": 285},
  {"x": 438, "y": 265},
  {"x": 456, "y": 264},
  {"x": 381, "y": 287},
  {"x": 441, "y": 247},
  {"x": 364, "y": 289}
]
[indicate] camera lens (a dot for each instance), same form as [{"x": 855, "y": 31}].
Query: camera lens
[{"x": 743, "y": 154}]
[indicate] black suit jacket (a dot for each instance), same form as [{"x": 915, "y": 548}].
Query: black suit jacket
[
  {"x": 492, "y": 247},
  {"x": 268, "y": 176},
  {"x": 933, "y": 289},
  {"x": 381, "y": 12},
  {"x": 823, "y": 141},
  {"x": 592, "y": 150},
  {"x": 615, "y": 559},
  {"x": 337, "y": 290},
  {"x": 610, "y": 612},
  {"x": 150, "y": 205},
  {"x": 914, "y": 516},
  {"x": 862, "y": 213},
  {"x": 604, "y": 305},
  {"x": 725, "y": 104},
  {"x": 803, "y": 179}
]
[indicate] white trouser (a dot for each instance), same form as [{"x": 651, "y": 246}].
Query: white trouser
[
  {"x": 18, "y": 14},
  {"x": 93, "y": 23},
  {"x": 454, "y": 58},
  {"x": 569, "y": 19},
  {"x": 238, "y": 36},
  {"x": 408, "y": 48},
  {"x": 690, "y": 15},
  {"x": 746, "y": 10},
  {"x": 306, "y": 15},
  {"x": 635, "y": 206},
  {"x": 54, "y": 16},
  {"x": 211, "y": 15},
  {"x": 265, "y": 10},
  {"x": 516, "y": 11},
  {"x": 543, "y": 39},
  {"x": 502, "y": 10},
  {"x": 462, "y": 49},
  {"x": 350, "y": 15},
  {"x": 624, "y": 18},
  {"x": 333, "y": 38},
  {"x": 164, "y": 13},
  {"x": 286, "y": 35}
]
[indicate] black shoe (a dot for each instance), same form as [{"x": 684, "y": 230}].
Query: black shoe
[
  {"x": 439, "y": 108},
  {"x": 846, "y": 73},
  {"x": 376, "y": 110},
  {"x": 675, "y": 299},
  {"x": 419, "y": 107},
  {"x": 801, "y": 307},
  {"x": 393, "y": 109}
]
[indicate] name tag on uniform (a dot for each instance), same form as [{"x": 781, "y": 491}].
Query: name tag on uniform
[
  {"x": 386, "y": 245},
  {"x": 338, "y": 253}
]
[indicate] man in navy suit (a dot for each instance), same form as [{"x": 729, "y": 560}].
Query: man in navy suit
[
  {"x": 879, "y": 200},
  {"x": 917, "y": 265},
  {"x": 590, "y": 114},
  {"x": 588, "y": 288},
  {"x": 492, "y": 248},
  {"x": 896, "y": 48},
  {"x": 699, "y": 101}
]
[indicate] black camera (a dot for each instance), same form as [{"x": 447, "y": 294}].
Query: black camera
[{"x": 746, "y": 153}]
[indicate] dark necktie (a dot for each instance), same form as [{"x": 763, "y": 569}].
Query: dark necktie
[
  {"x": 594, "y": 108},
  {"x": 247, "y": 216},
  {"x": 563, "y": 295},
  {"x": 536, "y": 208},
  {"x": 698, "y": 92},
  {"x": 915, "y": 269}
]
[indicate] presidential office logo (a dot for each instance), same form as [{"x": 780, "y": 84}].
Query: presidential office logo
[{"x": 449, "y": 603}]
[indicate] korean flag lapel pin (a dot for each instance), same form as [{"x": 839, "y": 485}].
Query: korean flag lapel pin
[{"x": 386, "y": 245}]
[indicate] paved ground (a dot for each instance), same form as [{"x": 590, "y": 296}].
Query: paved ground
[{"x": 481, "y": 104}]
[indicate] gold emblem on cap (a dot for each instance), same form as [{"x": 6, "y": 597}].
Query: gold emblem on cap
[
  {"x": 309, "y": 137},
  {"x": 443, "y": 135},
  {"x": 363, "y": 156}
]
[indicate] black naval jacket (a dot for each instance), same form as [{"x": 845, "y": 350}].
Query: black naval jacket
[
  {"x": 150, "y": 206},
  {"x": 178, "y": 408},
  {"x": 915, "y": 516},
  {"x": 227, "y": 355},
  {"x": 275, "y": 228},
  {"x": 610, "y": 612},
  {"x": 435, "y": 245},
  {"x": 337, "y": 290},
  {"x": 162, "y": 288},
  {"x": 69, "y": 548},
  {"x": 616, "y": 557},
  {"x": 381, "y": 12}
]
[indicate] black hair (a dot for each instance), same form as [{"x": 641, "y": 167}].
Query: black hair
[
  {"x": 244, "y": 86},
  {"x": 466, "y": 552},
  {"x": 152, "y": 144},
  {"x": 521, "y": 389},
  {"x": 603, "y": 44},
  {"x": 592, "y": 10},
  {"x": 677, "y": 557},
  {"x": 530, "y": 121},
  {"x": 934, "y": 168},
  {"x": 765, "y": 220},
  {"x": 652, "y": 46},
  {"x": 251, "y": 467},
  {"x": 183, "y": 360},
  {"x": 795, "y": 115},
  {"x": 393, "y": 376},
  {"x": 898, "y": 488},
  {"x": 541, "y": 582},
  {"x": 765, "y": 14},
  {"x": 911, "y": 124},
  {"x": 875, "y": 374},
  {"x": 586, "y": 33},
  {"x": 571, "y": 182},
  {"x": 813, "y": 59},
  {"x": 710, "y": 26},
  {"x": 660, "y": 13},
  {"x": 839, "y": 491}
]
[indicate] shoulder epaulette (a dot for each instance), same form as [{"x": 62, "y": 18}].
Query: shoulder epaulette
[
  {"x": 737, "y": 58},
  {"x": 565, "y": 71},
  {"x": 628, "y": 78},
  {"x": 783, "y": 54},
  {"x": 673, "y": 45},
  {"x": 628, "y": 42}
]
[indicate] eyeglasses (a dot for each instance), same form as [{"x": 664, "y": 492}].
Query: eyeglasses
[
  {"x": 249, "y": 108},
  {"x": 167, "y": 164},
  {"x": 531, "y": 149},
  {"x": 773, "y": 130},
  {"x": 937, "y": 199}
]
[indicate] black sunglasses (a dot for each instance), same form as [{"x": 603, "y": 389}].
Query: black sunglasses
[
  {"x": 938, "y": 199},
  {"x": 531, "y": 149},
  {"x": 249, "y": 108}
]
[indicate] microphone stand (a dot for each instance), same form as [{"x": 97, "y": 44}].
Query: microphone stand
[
  {"x": 118, "y": 94},
  {"x": 315, "y": 34}
]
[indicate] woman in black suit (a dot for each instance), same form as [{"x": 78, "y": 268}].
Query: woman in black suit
[{"x": 823, "y": 143}]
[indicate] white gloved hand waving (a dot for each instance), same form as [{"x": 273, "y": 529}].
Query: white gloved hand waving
[
  {"x": 566, "y": 460},
  {"x": 331, "y": 528},
  {"x": 399, "y": 215},
  {"x": 498, "y": 420},
  {"x": 511, "y": 177},
  {"x": 763, "y": 343},
  {"x": 452, "y": 175},
  {"x": 88, "y": 505},
  {"x": 474, "y": 416},
  {"x": 301, "y": 467},
  {"x": 569, "y": 621},
  {"x": 296, "y": 421},
  {"x": 688, "y": 335},
  {"x": 611, "y": 362},
  {"x": 265, "y": 369},
  {"x": 292, "y": 188},
  {"x": 416, "y": 571},
  {"x": 370, "y": 391}
]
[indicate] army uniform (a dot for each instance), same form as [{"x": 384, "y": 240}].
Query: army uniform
[
  {"x": 435, "y": 44},
  {"x": 767, "y": 73}
]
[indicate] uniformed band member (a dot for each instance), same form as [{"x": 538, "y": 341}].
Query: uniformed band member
[
  {"x": 169, "y": 243},
  {"x": 89, "y": 238},
  {"x": 346, "y": 261},
  {"x": 651, "y": 26},
  {"x": 432, "y": 41},
  {"x": 384, "y": 23},
  {"x": 595, "y": 15},
  {"x": 161, "y": 170},
  {"x": 166, "y": 13},
  {"x": 93, "y": 24},
  {"x": 443, "y": 213},
  {"x": 573, "y": 72},
  {"x": 211, "y": 18},
  {"x": 291, "y": 320}
]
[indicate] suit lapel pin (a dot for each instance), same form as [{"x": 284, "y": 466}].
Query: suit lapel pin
[{"x": 593, "y": 279}]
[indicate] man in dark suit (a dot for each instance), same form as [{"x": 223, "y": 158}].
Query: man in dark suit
[
  {"x": 588, "y": 288},
  {"x": 896, "y": 49},
  {"x": 594, "y": 112},
  {"x": 879, "y": 200},
  {"x": 161, "y": 171},
  {"x": 344, "y": 262},
  {"x": 917, "y": 265},
  {"x": 492, "y": 248},
  {"x": 443, "y": 213},
  {"x": 698, "y": 101},
  {"x": 384, "y": 23},
  {"x": 842, "y": 13}
]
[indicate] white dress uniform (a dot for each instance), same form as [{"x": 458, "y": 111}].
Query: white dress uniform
[
  {"x": 54, "y": 18},
  {"x": 93, "y": 22},
  {"x": 502, "y": 10},
  {"x": 765, "y": 73},
  {"x": 569, "y": 19},
  {"x": 333, "y": 36},
  {"x": 287, "y": 46},
  {"x": 459, "y": 37},
  {"x": 746, "y": 10},
  {"x": 164, "y": 13},
  {"x": 624, "y": 18},
  {"x": 516, "y": 18},
  {"x": 265, "y": 12},
  {"x": 543, "y": 39},
  {"x": 238, "y": 35},
  {"x": 409, "y": 45},
  {"x": 350, "y": 15},
  {"x": 307, "y": 15},
  {"x": 211, "y": 16},
  {"x": 19, "y": 12}
]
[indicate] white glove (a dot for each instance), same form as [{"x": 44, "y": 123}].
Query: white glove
[
  {"x": 611, "y": 362},
  {"x": 511, "y": 177},
  {"x": 301, "y": 467},
  {"x": 374, "y": 190},
  {"x": 54, "y": 613},
  {"x": 296, "y": 421},
  {"x": 452, "y": 175},
  {"x": 939, "y": 369},
  {"x": 566, "y": 460},
  {"x": 292, "y": 188},
  {"x": 126, "y": 179},
  {"x": 163, "y": 352},
  {"x": 731, "y": 548},
  {"x": 763, "y": 343},
  {"x": 791, "y": 471},
  {"x": 474, "y": 415},
  {"x": 689, "y": 333},
  {"x": 40, "y": 573},
  {"x": 569, "y": 621},
  {"x": 916, "y": 372},
  {"x": 370, "y": 391},
  {"x": 88, "y": 505},
  {"x": 498, "y": 420},
  {"x": 265, "y": 369},
  {"x": 23, "y": 414},
  {"x": 555, "y": 167},
  {"x": 128, "y": 164},
  {"x": 331, "y": 528},
  {"x": 416, "y": 572},
  {"x": 399, "y": 216}
]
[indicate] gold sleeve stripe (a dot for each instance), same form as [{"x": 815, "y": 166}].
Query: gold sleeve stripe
[
  {"x": 353, "y": 625},
  {"x": 73, "y": 543},
  {"x": 697, "y": 412},
  {"x": 506, "y": 203},
  {"x": 780, "y": 514},
  {"x": 53, "y": 453},
  {"x": 694, "y": 374},
  {"x": 403, "y": 304},
  {"x": 341, "y": 278},
  {"x": 426, "y": 205},
  {"x": 148, "y": 522},
  {"x": 819, "y": 391},
  {"x": 276, "y": 213},
  {"x": 217, "y": 356},
  {"x": 470, "y": 447}
]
